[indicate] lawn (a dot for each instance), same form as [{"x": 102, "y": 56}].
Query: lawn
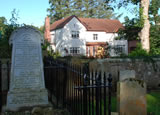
[{"x": 153, "y": 103}]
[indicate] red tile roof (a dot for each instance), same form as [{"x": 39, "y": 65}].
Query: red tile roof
[{"x": 91, "y": 24}]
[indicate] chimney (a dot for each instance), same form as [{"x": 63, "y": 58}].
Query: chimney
[{"x": 47, "y": 35}]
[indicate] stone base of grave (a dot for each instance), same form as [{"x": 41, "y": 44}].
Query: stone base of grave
[
  {"x": 26, "y": 99},
  {"x": 38, "y": 111}
]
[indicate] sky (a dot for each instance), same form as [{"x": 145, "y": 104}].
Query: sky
[{"x": 33, "y": 12}]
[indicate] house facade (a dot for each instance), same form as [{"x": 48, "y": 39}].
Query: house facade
[{"x": 84, "y": 36}]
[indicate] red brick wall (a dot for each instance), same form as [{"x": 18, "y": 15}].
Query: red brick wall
[{"x": 132, "y": 45}]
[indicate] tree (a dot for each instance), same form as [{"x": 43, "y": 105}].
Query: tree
[
  {"x": 3, "y": 23},
  {"x": 155, "y": 39},
  {"x": 144, "y": 34},
  {"x": 132, "y": 29},
  {"x": 154, "y": 7},
  {"x": 6, "y": 31},
  {"x": 144, "y": 18},
  {"x": 59, "y": 9},
  {"x": 82, "y": 8}
]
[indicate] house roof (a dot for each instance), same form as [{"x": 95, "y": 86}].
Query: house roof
[{"x": 91, "y": 24}]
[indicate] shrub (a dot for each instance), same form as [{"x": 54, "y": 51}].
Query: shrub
[{"x": 138, "y": 52}]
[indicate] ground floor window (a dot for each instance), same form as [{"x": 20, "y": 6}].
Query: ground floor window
[
  {"x": 119, "y": 49},
  {"x": 74, "y": 50}
]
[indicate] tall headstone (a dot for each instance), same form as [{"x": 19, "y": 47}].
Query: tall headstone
[
  {"x": 131, "y": 97},
  {"x": 27, "y": 86}
]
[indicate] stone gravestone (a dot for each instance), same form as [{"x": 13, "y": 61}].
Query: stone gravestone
[
  {"x": 27, "y": 88},
  {"x": 131, "y": 97},
  {"x": 124, "y": 74}
]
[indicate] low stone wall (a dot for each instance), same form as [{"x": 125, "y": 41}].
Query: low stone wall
[{"x": 147, "y": 70}]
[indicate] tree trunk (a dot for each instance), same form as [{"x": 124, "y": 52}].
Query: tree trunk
[{"x": 144, "y": 34}]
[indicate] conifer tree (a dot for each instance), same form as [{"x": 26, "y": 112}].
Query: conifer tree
[{"x": 81, "y": 8}]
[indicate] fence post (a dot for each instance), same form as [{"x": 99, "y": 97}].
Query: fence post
[
  {"x": 98, "y": 83},
  {"x": 65, "y": 83},
  {"x": 109, "y": 90},
  {"x": 85, "y": 104},
  {"x": 85, "y": 101},
  {"x": 8, "y": 73}
]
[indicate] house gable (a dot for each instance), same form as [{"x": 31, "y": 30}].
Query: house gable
[
  {"x": 91, "y": 24},
  {"x": 75, "y": 25}
]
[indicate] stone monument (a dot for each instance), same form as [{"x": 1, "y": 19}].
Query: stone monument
[
  {"x": 125, "y": 74},
  {"x": 27, "y": 88},
  {"x": 131, "y": 97}
]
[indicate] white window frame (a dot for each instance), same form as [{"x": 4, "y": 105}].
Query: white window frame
[
  {"x": 75, "y": 34},
  {"x": 120, "y": 49},
  {"x": 74, "y": 50},
  {"x": 95, "y": 36}
]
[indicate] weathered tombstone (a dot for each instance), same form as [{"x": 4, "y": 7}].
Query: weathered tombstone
[
  {"x": 131, "y": 97},
  {"x": 27, "y": 88},
  {"x": 124, "y": 74}
]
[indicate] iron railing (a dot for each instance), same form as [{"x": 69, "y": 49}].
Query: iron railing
[
  {"x": 82, "y": 91},
  {"x": 74, "y": 87},
  {"x": 3, "y": 91}
]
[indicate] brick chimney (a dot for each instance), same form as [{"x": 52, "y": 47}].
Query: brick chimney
[{"x": 47, "y": 35}]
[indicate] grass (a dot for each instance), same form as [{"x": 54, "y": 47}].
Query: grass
[{"x": 153, "y": 103}]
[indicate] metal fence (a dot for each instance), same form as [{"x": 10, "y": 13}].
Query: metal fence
[
  {"x": 0, "y": 86},
  {"x": 82, "y": 91},
  {"x": 4, "y": 82}
]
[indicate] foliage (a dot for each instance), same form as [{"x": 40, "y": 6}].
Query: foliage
[
  {"x": 14, "y": 19},
  {"x": 45, "y": 45},
  {"x": 153, "y": 103},
  {"x": 82, "y": 8},
  {"x": 55, "y": 55},
  {"x": 155, "y": 40},
  {"x": 6, "y": 31},
  {"x": 132, "y": 29},
  {"x": 143, "y": 18},
  {"x": 42, "y": 29},
  {"x": 154, "y": 7},
  {"x": 138, "y": 52}
]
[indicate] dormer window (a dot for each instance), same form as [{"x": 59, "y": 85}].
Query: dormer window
[
  {"x": 95, "y": 36},
  {"x": 75, "y": 34}
]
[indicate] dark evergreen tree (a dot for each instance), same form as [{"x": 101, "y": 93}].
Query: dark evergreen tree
[{"x": 81, "y": 8}]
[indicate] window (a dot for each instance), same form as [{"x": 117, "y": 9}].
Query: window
[
  {"x": 75, "y": 34},
  {"x": 95, "y": 36},
  {"x": 119, "y": 49},
  {"x": 74, "y": 50}
]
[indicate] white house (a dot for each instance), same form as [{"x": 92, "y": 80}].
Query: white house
[{"x": 82, "y": 36}]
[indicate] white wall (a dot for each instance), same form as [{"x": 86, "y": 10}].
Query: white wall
[
  {"x": 102, "y": 36},
  {"x": 119, "y": 42},
  {"x": 63, "y": 39}
]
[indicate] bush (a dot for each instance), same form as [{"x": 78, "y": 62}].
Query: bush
[{"x": 138, "y": 52}]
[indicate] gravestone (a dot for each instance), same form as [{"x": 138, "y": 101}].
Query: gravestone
[
  {"x": 27, "y": 88},
  {"x": 131, "y": 97},
  {"x": 124, "y": 74}
]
